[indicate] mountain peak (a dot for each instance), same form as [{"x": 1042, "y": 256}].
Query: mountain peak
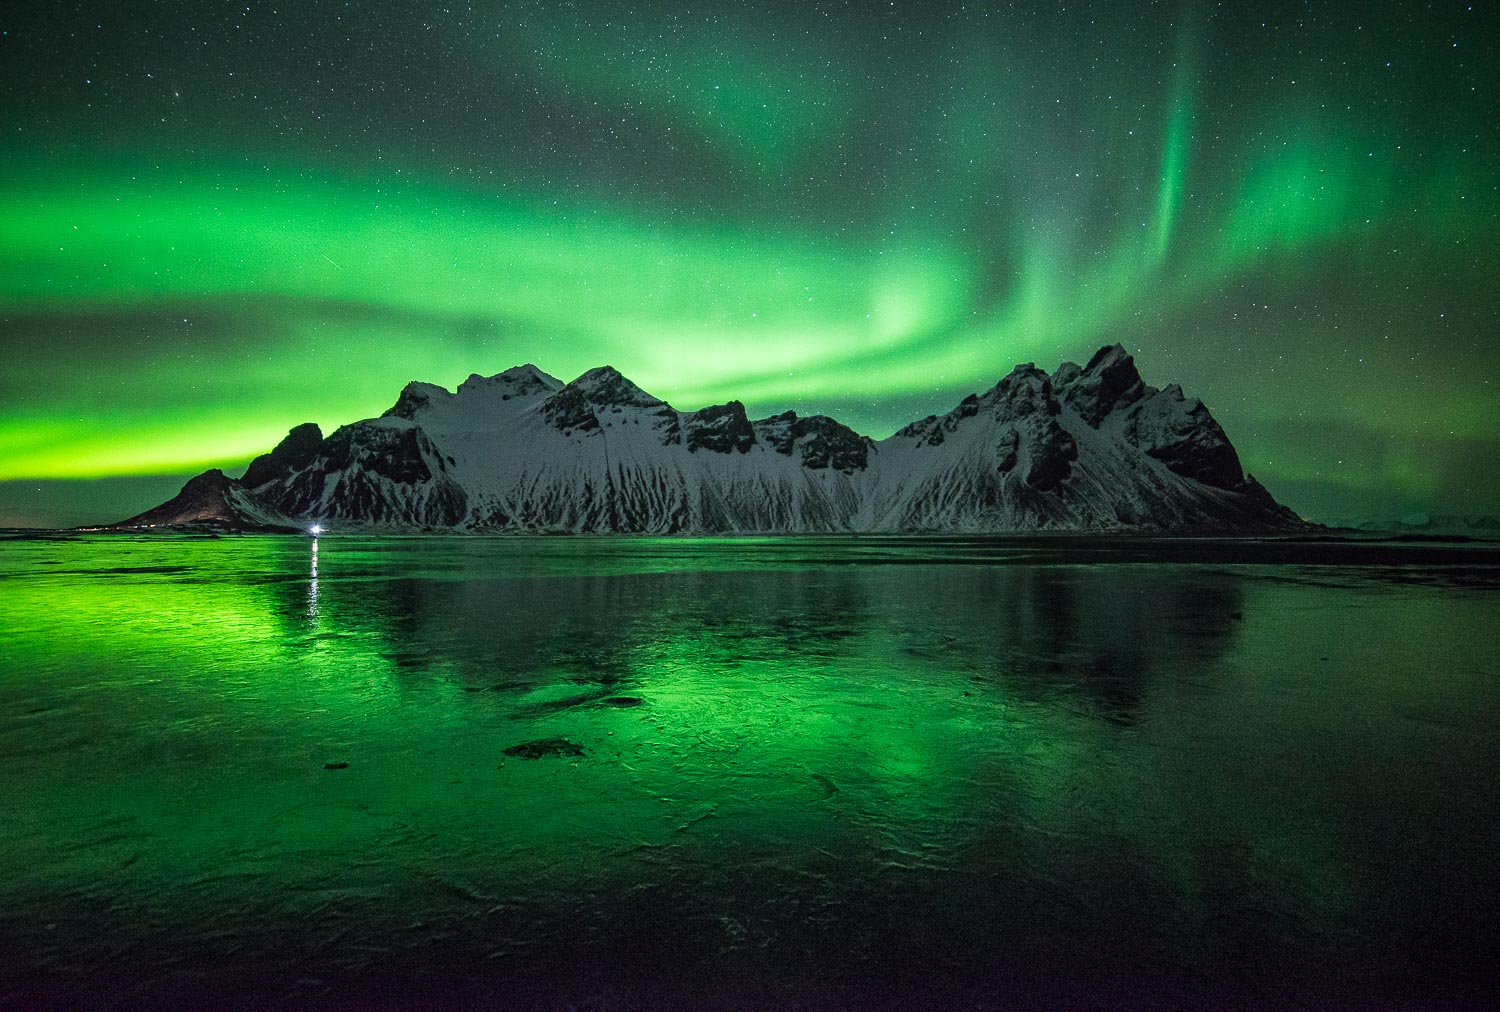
[
  {"x": 606, "y": 385},
  {"x": 601, "y": 388},
  {"x": 415, "y": 396},
  {"x": 1026, "y": 390},
  {"x": 1108, "y": 356},
  {"x": 1109, "y": 381},
  {"x": 527, "y": 371},
  {"x": 299, "y": 446},
  {"x": 516, "y": 381},
  {"x": 211, "y": 499}
]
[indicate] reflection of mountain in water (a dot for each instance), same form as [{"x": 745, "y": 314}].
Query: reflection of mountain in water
[
  {"x": 1046, "y": 633},
  {"x": 1101, "y": 633}
]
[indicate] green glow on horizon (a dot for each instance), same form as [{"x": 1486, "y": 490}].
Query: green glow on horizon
[{"x": 704, "y": 317}]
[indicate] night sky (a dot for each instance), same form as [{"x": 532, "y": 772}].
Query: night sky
[{"x": 220, "y": 220}]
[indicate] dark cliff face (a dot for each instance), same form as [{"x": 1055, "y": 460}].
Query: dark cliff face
[
  {"x": 1052, "y": 455},
  {"x": 571, "y": 409},
  {"x": 391, "y": 453},
  {"x": 721, "y": 428},
  {"x": 1024, "y": 403},
  {"x": 373, "y": 473},
  {"x": 305, "y": 457},
  {"x": 829, "y": 444},
  {"x": 819, "y": 441},
  {"x": 293, "y": 453},
  {"x": 1108, "y": 382},
  {"x": 1025, "y": 398},
  {"x": 1025, "y": 392},
  {"x": 1186, "y": 438},
  {"x": 413, "y": 399}
]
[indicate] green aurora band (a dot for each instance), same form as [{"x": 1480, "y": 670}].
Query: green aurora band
[{"x": 870, "y": 222}]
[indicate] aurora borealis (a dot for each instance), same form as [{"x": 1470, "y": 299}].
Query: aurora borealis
[{"x": 218, "y": 221}]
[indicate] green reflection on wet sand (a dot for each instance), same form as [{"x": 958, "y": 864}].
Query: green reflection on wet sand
[{"x": 854, "y": 767}]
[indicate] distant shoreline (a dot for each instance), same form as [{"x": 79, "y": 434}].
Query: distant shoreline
[{"x": 1356, "y": 549}]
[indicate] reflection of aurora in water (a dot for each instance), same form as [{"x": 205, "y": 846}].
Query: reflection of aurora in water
[{"x": 914, "y": 773}]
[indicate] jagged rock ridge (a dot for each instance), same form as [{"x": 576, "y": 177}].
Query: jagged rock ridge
[{"x": 1091, "y": 447}]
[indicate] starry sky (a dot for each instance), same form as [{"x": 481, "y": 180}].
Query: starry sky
[{"x": 220, "y": 220}]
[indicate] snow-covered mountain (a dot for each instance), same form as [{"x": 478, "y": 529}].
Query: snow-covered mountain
[
  {"x": 1481, "y": 526},
  {"x": 1089, "y": 448}
]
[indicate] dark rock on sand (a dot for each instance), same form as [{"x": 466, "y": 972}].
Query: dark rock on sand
[{"x": 544, "y": 747}]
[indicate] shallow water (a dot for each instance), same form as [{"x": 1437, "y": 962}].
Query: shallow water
[{"x": 813, "y": 772}]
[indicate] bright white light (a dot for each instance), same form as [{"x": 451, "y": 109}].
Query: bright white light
[{"x": 315, "y": 530}]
